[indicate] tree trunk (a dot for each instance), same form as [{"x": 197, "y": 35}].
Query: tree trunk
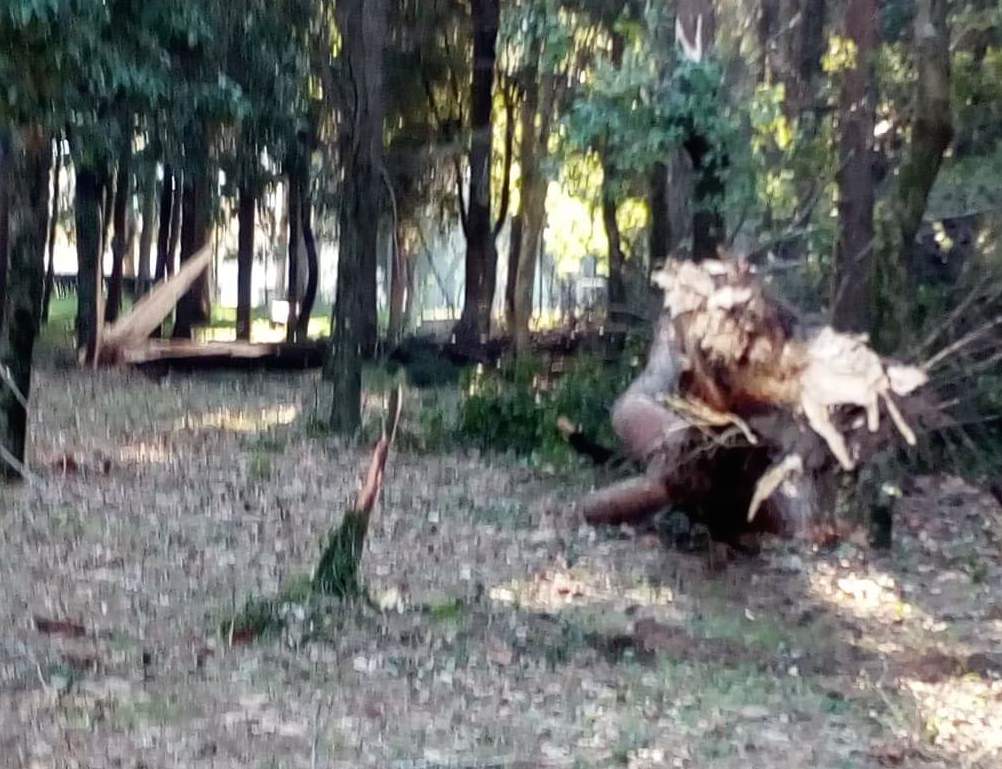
[
  {"x": 5, "y": 182},
  {"x": 695, "y": 30},
  {"x": 149, "y": 215},
  {"x": 853, "y": 298},
  {"x": 932, "y": 128},
  {"x": 474, "y": 325},
  {"x": 295, "y": 220},
  {"x": 26, "y": 168},
  {"x": 88, "y": 211},
  {"x": 121, "y": 239},
  {"x": 931, "y": 134},
  {"x": 400, "y": 282},
  {"x": 533, "y": 214},
  {"x": 312, "y": 264},
  {"x": 810, "y": 50},
  {"x": 175, "y": 223},
  {"x": 617, "y": 281},
  {"x": 514, "y": 248},
  {"x": 362, "y": 24},
  {"x": 660, "y": 235},
  {"x": 50, "y": 271},
  {"x": 164, "y": 224},
  {"x": 196, "y": 228},
  {"x": 245, "y": 259}
]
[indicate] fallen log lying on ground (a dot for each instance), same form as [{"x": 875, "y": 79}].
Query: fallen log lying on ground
[
  {"x": 742, "y": 413},
  {"x": 127, "y": 341},
  {"x": 156, "y": 355}
]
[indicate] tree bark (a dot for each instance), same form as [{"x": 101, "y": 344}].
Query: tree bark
[
  {"x": 474, "y": 325},
  {"x": 245, "y": 259},
  {"x": 196, "y": 228},
  {"x": 120, "y": 214},
  {"x": 695, "y": 31},
  {"x": 617, "y": 281},
  {"x": 532, "y": 200},
  {"x": 88, "y": 211},
  {"x": 931, "y": 134},
  {"x": 400, "y": 283},
  {"x": 932, "y": 129},
  {"x": 175, "y": 223},
  {"x": 660, "y": 235},
  {"x": 295, "y": 220},
  {"x": 362, "y": 24},
  {"x": 810, "y": 49},
  {"x": 5, "y": 182},
  {"x": 164, "y": 224},
  {"x": 514, "y": 248},
  {"x": 853, "y": 299},
  {"x": 50, "y": 270},
  {"x": 312, "y": 264},
  {"x": 540, "y": 98},
  {"x": 149, "y": 214},
  {"x": 27, "y": 182}
]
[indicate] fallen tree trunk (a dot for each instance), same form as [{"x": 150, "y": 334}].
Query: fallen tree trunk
[
  {"x": 741, "y": 410},
  {"x": 133, "y": 330},
  {"x": 204, "y": 356}
]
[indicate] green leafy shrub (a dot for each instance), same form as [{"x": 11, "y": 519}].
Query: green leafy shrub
[{"x": 515, "y": 409}]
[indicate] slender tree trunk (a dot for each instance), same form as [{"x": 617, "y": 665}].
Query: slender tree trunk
[
  {"x": 88, "y": 211},
  {"x": 175, "y": 223},
  {"x": 932, "y": 129},
  {"x": 295, "y": 220},
  {"x": 312, "y": 264},
  {"x": 362, "y": 24},
  {"x": 660, "y": 235},
  {"x": 540, "y": 96},
  {"x": 474, "y": 325},
  {"x": 6, "y": 179},
  {"x": 617, "y": 282},
  {"x": 149, "y": 214},
  {"x": 245, "y": 259},
  {"x": 164, "y": 223},
  {"x": 400, "y": 285},
  {"x": 196, "y": 229},
  {"x": 616, "y": 291},
  {"x": 25, "y": 164},
  {"x": 931, "y": 134},
  {"x": 695, "y": 30},
  {"x": 120, "y": 213},
  {"x": 810, "y": 50},
  {"x": 853, "y": 300},
  {"x": 514, "y": 248},
  {"x": 50, "y": 271}
]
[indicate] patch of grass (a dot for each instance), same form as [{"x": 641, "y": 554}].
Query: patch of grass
[
  {"x": 156, "y": 710},
  {"x": 259, "y": 468},
  {"x": 268, "y": 443},
  {"x": 263, "y": 617},
  {"x": 447, "y": 610}
]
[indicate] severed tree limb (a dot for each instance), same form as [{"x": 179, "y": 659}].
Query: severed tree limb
[
  {"x": 337, "y": 572},
  {"x": 133, "y": 329}
]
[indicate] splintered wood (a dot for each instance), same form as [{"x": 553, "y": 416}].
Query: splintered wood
[{"x": 729, "y": 361}]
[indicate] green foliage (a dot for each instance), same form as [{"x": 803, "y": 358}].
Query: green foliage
[{"x": 516, "y": 408}]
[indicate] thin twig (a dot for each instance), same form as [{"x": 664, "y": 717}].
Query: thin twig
[{"x": 961, "y": 343}]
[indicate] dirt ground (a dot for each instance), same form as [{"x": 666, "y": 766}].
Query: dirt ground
[{"x": 509, "y": 634}]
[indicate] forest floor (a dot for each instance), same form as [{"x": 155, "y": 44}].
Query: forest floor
[{"x": 509, "y": 634}]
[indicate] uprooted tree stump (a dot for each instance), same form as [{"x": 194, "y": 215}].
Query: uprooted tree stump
[
  {"x": 337, "y": 573},
  {"x": 744, "y": 415}
]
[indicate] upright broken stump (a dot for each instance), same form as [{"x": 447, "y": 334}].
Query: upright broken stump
[
  {"x": 337, "y": 573},
  {"x": 742, "y": 413}
]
